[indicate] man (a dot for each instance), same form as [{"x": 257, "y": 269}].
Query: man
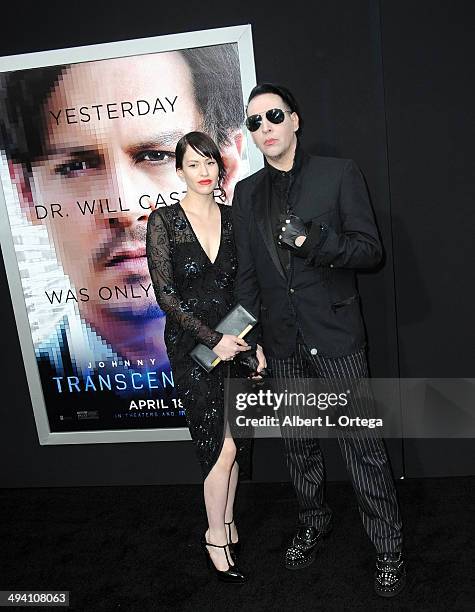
[
  {"x": 90, "y": 150},
  {"x": 303, "y": 225}
]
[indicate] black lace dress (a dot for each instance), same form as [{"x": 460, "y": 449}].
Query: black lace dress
[{"x": 195, "y": 294}]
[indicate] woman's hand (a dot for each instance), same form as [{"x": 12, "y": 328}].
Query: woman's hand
[{"x": 229, "y": 346}]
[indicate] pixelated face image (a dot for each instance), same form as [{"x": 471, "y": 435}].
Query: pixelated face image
[
  {"x": 106, "y": 172},
  {"x": 98, "y": 155},
  {"x": 273, "y": 139}
]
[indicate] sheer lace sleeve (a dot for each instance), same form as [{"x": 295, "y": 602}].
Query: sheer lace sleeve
[{"x": 161, "y": 273}]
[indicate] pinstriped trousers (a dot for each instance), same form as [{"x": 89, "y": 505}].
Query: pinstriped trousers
[{"x": 364, "y": 454}]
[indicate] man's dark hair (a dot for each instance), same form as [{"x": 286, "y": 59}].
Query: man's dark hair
[
  {"x": 284, "y": 93},
  {"x": 216, "y": 84}
]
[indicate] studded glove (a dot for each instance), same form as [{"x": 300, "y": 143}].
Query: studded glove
[
  {"x": 249, "y": 364},
  {"x": 290, "y": 227}
]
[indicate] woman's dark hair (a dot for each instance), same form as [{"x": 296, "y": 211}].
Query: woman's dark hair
[
  {"x": 284, "y": 93},
  {"x": 205, "y": 146}
]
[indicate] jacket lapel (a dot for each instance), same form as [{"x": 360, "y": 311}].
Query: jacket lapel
[{"x": 261, "y": 206}]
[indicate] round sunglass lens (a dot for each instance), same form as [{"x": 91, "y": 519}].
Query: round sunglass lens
[
  {"x": 253, "y": 123},
  {"x": 275, "y": 115}
]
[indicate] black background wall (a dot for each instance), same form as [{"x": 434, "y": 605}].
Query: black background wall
[
  {"x": 376, "y": 81},
  {"x": 427, "y": 51}
]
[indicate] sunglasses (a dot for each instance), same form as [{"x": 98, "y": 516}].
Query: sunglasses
[{"x": 274, "y": 115}]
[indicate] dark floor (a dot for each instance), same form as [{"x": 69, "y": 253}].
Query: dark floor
[{"x": 136, "y": 548}]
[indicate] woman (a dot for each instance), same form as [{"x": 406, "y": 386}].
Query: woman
[{"x": 192, "y": 263}]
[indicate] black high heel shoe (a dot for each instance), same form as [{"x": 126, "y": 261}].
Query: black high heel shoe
[
  {"x": 232, "y": 574},
  {"x": 234, "y": 547}
]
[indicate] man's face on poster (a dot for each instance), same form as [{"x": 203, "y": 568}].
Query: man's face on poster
[{"x": 110, "y": 132}]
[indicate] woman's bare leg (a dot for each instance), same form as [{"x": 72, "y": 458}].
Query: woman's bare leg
[
  {"x": 229, "y": 513},
  {"x": 216, "y": 487}
]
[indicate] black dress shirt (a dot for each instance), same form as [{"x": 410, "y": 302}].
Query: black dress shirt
[{"x": 280, "y": 187}]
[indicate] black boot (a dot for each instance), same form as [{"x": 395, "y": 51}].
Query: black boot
[
  {"x": 390, "y": 576},
  {"x": 301, "y": 553}
]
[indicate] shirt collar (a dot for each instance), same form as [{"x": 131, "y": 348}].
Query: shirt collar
[{"x": 275, "y": 173}]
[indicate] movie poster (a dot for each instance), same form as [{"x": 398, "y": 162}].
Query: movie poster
[{"x": 87, "y": 152}]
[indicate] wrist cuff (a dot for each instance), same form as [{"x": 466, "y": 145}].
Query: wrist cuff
[{"x": 315, "y": 235}]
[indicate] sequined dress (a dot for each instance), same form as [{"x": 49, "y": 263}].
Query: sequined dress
[{"x": 195, "y": 294}]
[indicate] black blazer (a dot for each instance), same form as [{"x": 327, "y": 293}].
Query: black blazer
[{"x": 318, "y": 295}]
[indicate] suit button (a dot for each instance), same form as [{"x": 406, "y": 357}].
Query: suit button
[
  {"x": 331, "y": 265},
  {"x": 292, "y": 291},
  {"x": 313, "y": 351}
]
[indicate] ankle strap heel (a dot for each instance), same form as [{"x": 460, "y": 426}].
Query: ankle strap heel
[
  {"x": 234, "y": 547},
  {"x": 232, "y": 574}
]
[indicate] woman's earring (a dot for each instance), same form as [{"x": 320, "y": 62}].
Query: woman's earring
[{"x": 222, "y": 194}]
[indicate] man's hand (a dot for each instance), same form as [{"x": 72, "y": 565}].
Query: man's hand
[
  {"x": 292, "y": 232},
  {"x": 261, "y": 359}
]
